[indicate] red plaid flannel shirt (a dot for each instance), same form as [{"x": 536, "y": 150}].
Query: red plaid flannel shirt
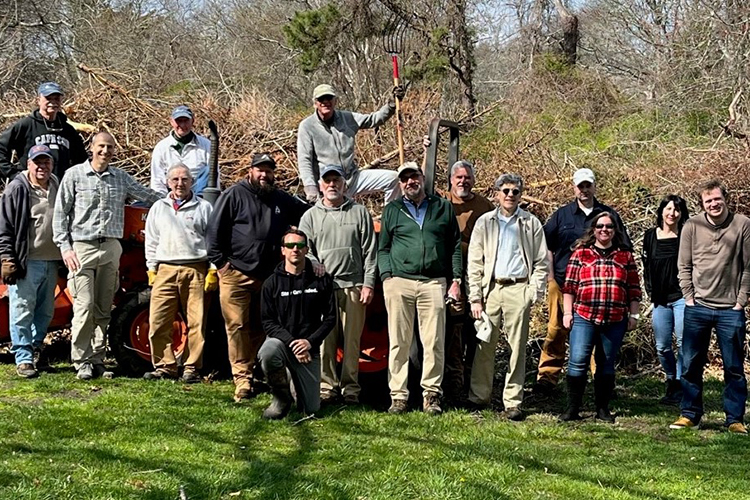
[{"x": 603, "y": 285}]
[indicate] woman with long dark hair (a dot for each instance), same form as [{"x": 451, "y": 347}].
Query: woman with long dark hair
[
  {"x": 601, "y": 297},
  {"x": 660, "y": 248}
]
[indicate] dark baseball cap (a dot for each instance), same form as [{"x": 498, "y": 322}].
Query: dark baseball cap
[
  {"x": 182, "y": 111},
  {"x": 332, "y": 169},
  {"x": 49, "y": 88},
  {"x": 39, "y": 150},
  {"x": 261, "y": 159}
]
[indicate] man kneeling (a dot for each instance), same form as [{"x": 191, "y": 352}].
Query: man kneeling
[{"x": 298, "y": 311}]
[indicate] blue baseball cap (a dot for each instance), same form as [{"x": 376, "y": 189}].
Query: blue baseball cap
[
  {"x": 332, "y": 169},
  {"x": 39, "y": 150},
  {"x": 49, "y": 88},
  {"x": 182, "y": 111}
]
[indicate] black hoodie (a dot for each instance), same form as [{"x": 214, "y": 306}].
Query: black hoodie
[
  {"x": 66, "y": 144},
  {"x": 298, "y": 306},
  {"x": 246, "y": 227}
]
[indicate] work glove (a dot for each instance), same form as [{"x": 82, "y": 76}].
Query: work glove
[
  {"x": 9, "y": 272},
  {"x": 312, "y": 194},
  {"x": 151, "y": 277},
  {"x": 399, "y": 92},
  {"x": 212, "y": 281}
]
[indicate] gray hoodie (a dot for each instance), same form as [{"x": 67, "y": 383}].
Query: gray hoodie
[
  {"x": 343, "y": 239},
  {"x": 320, "y": 143}
]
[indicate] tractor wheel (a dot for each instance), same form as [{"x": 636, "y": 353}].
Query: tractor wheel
[{"x": 128, "y": 334}]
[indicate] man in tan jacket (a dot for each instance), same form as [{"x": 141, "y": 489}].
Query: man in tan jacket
[{"x": 507, "y": 269}]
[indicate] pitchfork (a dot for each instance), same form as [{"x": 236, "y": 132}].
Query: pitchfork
[{"x": 393, "y": 43}]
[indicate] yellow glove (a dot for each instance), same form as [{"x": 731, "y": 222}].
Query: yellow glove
[
  {"x": 151, "y": 277},
  {"x": 212, "y": 281}
]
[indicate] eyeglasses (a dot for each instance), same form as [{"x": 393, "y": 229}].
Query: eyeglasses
[
  {"x": 298, "y": 244},
  {"x": 325, "y": 98},
  {"x": 605, "y": 226},
  {"x": 507, "y": 191}
]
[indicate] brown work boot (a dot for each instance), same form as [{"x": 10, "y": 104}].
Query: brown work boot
[
  {"x": 398, "y": 406},
  {"x": 26, "y": 370},
  {"x": 431, "y": 405}
]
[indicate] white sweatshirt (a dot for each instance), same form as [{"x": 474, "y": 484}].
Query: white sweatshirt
[{"x": 177, "y": 236}]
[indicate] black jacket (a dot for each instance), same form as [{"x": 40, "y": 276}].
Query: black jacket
[
  {"x": 66, "y": 144},
  {"x": 566, "y": 225},
  {"x": 298, "y": 306},
  {"x": 15, "y": 213},
  {"x": 246, "y": 227}
]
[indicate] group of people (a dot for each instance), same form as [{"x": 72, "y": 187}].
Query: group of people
[{"x": 295, "y": 280}]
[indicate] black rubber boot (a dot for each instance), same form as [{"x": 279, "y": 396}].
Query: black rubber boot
[
  {"x": 673, "y": 395},
  {"x": 603, "y": 387},
  {"x": 282, "y": 396},
  {"x": 576, "y": 388}
]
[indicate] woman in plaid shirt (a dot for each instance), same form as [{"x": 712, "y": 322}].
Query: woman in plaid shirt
[{"x": 601, "y": 297}]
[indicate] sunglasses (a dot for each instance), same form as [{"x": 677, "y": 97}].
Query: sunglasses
[
  {"x": 605, "y": 226},
  {"x": 298, "y": 244},
  {"x": 325, "y": 98},
  {"x": 507, "y": 191}
]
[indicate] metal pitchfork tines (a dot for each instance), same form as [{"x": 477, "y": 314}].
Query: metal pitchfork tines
[{"x": 394, "y": 33}]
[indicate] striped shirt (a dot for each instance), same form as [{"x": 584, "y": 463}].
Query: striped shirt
[
  {"x": 603, "y": 283},
  {"x": 91, "y": 205}
]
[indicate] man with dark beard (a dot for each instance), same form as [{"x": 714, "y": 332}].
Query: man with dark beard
[{"x": 243, "y": 239}]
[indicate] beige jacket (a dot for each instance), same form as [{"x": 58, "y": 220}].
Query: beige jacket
[{"x": 483, "y": 251}]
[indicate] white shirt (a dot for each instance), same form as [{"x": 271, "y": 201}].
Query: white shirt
[
  {"x": 509, "y": 260},
  {"x": 194, "y": 155}
]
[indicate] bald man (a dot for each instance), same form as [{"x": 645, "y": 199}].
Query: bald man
[{"x": 89, "y": 219}]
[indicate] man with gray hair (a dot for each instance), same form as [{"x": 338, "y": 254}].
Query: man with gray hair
[
  {"x": 342, "y": 241},
  {"x": 179, "y": 273},
  {"x": 327, "y": 137},
  {"x": 507, "y": 267},
  {"x": 459, "y": 331},
  {"x": 47, "y": 125},
  {"x": 561, "y": 231},
  {"x": 182, "y": 145}
]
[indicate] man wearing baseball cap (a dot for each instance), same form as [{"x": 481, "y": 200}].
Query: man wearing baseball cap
[
  {"x": 419, "y": 259},
  {"x": 47, "y": 125},
  {"x": 182, "y": 145},
  {"x": 30, "y": 258},
  {"x": 327, "y": 137},
  {"x": 342, "y": 241},
  {"x": 561, "y": 231},
  {"x": 244, "y": 243}
]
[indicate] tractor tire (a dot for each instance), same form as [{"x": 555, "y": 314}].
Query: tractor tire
[{"x": 128, "y": 334}]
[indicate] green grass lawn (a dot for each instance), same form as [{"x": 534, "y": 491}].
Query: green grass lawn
[{"x": 131, "y": 439}]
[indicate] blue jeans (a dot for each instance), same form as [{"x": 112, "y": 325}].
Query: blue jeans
[
  {"x": 730, "y": 335},
  {"x": 584, "y": 336},
  {"x": 32, "y": 304},
  {"x": 665, "y": 320}
]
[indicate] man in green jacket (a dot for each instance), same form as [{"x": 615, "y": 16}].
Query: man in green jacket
[
  {"x": 419, "y": 252},
  {"x": 342, "y": 242}
]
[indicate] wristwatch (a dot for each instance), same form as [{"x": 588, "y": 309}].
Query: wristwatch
[
  {"x": 635, "y": 316},
  {"x": 457, "y": 280}
]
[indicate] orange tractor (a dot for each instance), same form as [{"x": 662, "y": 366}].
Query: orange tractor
[{"x": 128, "y": 330}]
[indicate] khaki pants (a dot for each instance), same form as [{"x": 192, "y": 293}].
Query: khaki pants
[
  {"x": 509, "y": 306},
  {"x": 552, "y": 357},
  {"x": 402, "y": 297},
  {"x": 93, "y": 289},
  {"x": 239, "y": 295},
  {"x": 177, "y": 288},
  {"x": 348, "y": 332}
]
